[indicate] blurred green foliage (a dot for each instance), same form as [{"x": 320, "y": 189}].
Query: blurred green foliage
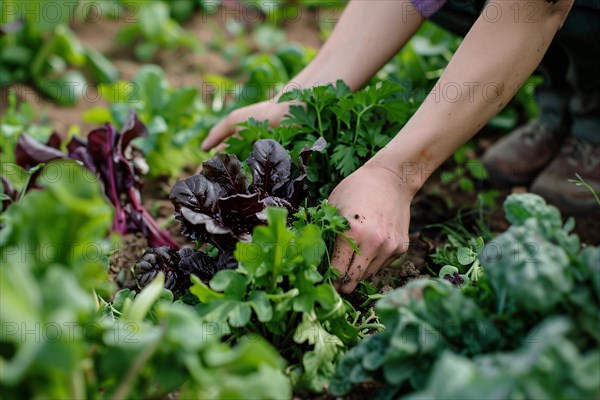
[
  {"x": 177, "y": 120},
  {"x": 61, "y": 339},
  {"x": 44, "y": 52}
]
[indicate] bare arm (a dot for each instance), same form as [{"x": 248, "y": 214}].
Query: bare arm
[
  {"x": 367, "y": 36},
  {"x": 496, "y": 57},
  {"x": 492, "y": 62}
]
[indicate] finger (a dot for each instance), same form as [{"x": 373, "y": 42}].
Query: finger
[
  {"x": 220, "y": 147},
  {"x": 358, "y": 269},
  {"x": 341, "y": 258},
  {"x": 378, "y": 264},
  {"x": 217, "y": 134}
]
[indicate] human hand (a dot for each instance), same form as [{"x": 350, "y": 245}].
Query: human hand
[
  {"x": 270, "y": 110},
  {"x": 377, "y": 206}
]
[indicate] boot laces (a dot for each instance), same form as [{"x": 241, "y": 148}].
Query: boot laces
[
  {"x": 578, "y": 150},
  {"x": 535, "y": 133}
]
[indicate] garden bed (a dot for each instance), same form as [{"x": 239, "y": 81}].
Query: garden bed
[{"x": 189, "y": 293}]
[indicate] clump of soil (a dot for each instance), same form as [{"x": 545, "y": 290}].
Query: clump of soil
[
  {"x": 131, "y": 248},
  {"x": 411, "y": 266}
]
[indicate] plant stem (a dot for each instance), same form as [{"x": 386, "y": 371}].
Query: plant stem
[
  {"x": 359, "y": 116},
  {"x": 319, "y": 121},
  {"x": 377, "y": 327},
  {"x": 502, "y": 301},
  {"x": 78, "y": 385},
  {"x": 581, "y": 182}
]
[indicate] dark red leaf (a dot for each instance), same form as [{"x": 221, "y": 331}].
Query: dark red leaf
[
  {"x": 196, "y": 193},
  {"x": 240, "y": 210},
  {"x": 269, "y": 164},
  {"x": 107, "y": 154},
  {"x": 54, "y": 140},
  {"x": 132, "y": 128},
  {"x": 30, "y": 152},
  {"x": 227, "y": 171}
]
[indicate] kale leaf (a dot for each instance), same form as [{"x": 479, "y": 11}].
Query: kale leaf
[{"x": 529, "y": 328}]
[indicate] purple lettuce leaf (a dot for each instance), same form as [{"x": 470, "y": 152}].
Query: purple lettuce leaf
[
  {"x": 240, "y": 212},
  {"x": 29, "y": 152},
  {"x": 209, "y": 212},
  {"x": 270, "y": 166},
  {"x": 296, "y": 190},
  {"x": 197, "y": 201},
  {"x": 78, "y": 150},
  {"x": 158, "y": 259},
  {"x": 228, "y": 172},
  {"x": 132, "y": 129},
  {"x": 178, "y": 266},
  {"x": 100, "y": 146},
  {"x": 109, "y": 155},
  {"x": 197, "y": 193},
  {"x": 202, "y": 265},
  {"x": 54, "y": 140},
  {"x": 218, "y": 207}
]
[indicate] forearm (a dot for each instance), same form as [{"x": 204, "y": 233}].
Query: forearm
[
  {"x": 493, "y": 61},
  {"x": 368, "y": 34}
]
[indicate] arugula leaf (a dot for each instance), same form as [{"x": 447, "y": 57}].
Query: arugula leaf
[{"x": 278, "y": 293}]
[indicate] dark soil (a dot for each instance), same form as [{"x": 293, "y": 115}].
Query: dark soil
[{"x": 122, "y": 261}]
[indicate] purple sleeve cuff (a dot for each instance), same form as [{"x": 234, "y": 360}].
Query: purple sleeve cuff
[{"x": 428, "y": 7}]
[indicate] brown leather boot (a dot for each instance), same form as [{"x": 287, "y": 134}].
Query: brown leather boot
[
  {"x": 577, "y": 156},
  {"x": 519, "y": 157}
]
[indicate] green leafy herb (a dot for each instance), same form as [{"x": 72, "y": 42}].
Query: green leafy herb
[
  {"x": 279, "y": 293},
  {"x": 356, "y": 126},
  {"x": 46, "y": 52},
  {"x": 157, "y": 30}
]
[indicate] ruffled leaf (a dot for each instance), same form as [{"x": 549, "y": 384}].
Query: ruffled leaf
[
  {"x": 269, "y": 164},
  {"x": 227, "y": 171}
]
